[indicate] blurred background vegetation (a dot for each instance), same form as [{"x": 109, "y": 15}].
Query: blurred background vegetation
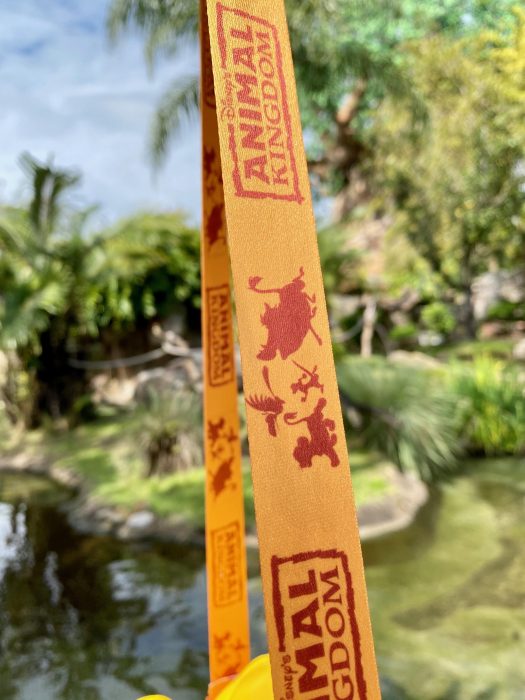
[{"x": 414, "y": 122}]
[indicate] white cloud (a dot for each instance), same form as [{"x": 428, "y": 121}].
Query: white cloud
[{"x": 65, "y": 93}]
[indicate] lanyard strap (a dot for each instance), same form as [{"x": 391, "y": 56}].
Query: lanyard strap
[
  {"x": 228, "y": 622},
  {"x": 317, "y": 617}
]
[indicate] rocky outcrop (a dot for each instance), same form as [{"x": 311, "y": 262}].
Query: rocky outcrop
[
  {"x": 518, "y": 352},
  {"x": 395, "y": 511},
  {"x": 500, "y": 285},
  {"x": 414, "y": 359},
  {"x": 91, "y": 515}
]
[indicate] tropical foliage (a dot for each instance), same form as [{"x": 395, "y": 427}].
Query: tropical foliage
[
  {"x": 425, "y": 420},
  {"x": 170, "y": 431},
  {"x": 406, "y": 414},
  {"x": 492, "y": 409},
  {"x": 414, "y": 119},
  {"x": 62, "y": 285},
  {"x": 347, "y": 59},
  {"x": 457, "y": 186}
]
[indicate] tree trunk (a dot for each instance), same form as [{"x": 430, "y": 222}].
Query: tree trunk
[
  {"x": 343, "y": 156},
  {"x": 369, "y": 320},
  {"x": 470, "y": 319},
  {"x": 58, "y": 386}
]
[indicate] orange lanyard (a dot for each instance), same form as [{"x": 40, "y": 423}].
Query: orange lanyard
[
  {"x": 255, "y": 179},
  {"x": 228, "y": 623}
]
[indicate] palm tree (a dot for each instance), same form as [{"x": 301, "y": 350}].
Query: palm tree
[
  {"x": 334, "y": 71},
  {"x": 42, "y": 255},
  {"x": 167, "y": 25},
  {"x": 348, "y": 55},
  {"x": 62, "y": 289},
  {"x": 33, "y": 286},
  {"x": 48, "y": 186}
]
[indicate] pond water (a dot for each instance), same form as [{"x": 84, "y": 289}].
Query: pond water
[{"x": 88, "y": 618}]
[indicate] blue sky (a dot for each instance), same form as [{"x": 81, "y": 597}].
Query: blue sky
[{"x": 64, "y": 92}]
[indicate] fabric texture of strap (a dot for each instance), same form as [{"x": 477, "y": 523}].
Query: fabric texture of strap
[
  {"x": 228, "y": 623},
  {"x": 255, "y": 178}
]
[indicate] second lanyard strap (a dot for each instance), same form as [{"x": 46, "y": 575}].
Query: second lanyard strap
[{"x": 228, "y": 623}]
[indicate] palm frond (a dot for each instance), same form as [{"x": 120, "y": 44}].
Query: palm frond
[
  {"x": 26, "y": 310},
  {"x": 15, "y": 231},
  {"x": 48, "y": 185},
  {"x": 141, "y": 14},
  {"x": 165, "y": 39},
  {"x": 164, "y": 23},
  {"x": 179, "y": 103}
]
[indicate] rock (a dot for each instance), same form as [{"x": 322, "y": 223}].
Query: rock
[
  {"x": 112, "y": 390},
  {"x": 140, "y": 520},
  {"x": 179, "y": 375},
  {"x": 500, "y": 285},
  {"x": 109, "y": 515},
  {"x": 408, "y": 300},
  {"x": 414, "y": 359},
  {"x": 173, "y": 326},
  {"x": 400, "y": 318},
  {"x": 65, "y": 477},
  {"x": 177, "y": 528},
  {"x": 396, "y": 510},
  {"x": 501, "y": 329},
  {"x": 4, "y": 365},
  {"x": 343, "y": 305},
  {"x": 367, "y": 238},
  {"x": 518, "y": 352},
  {"x": 512, "y": 286},
  {"x": 83, "y": 519},
  {"x": 492, "y": 329},
  {"x": 430, "y": 339}
]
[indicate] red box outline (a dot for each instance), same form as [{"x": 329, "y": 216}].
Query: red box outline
[
  {"x": 208, "y": 84},
  {"x": 278, "y": 608},
  {"x": 239, "y": 188},
  {"x": 231, "y": 377},
  {"x": 235, "y": 526}
]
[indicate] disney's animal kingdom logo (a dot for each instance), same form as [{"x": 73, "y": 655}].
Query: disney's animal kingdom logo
[
  {"x": 256, "y": 107},
  {"x": 221, "y": 368},
  {"x": 317, "y": 630},
  {"x": 227, "y": 565}
]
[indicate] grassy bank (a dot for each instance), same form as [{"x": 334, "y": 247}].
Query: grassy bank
[{"x": 111, "y": 465}]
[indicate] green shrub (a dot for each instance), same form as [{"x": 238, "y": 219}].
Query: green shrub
[
  {"x": 492, "y": 409},
  {"x": 438, "y": 317},
  {"x": 408, "y": 414},
  {"x": 170, "y": 431},
  {"x": 404, "y": 333},
  {"x": 506, "y": 311},
  {"x": 339, "y": 264}
]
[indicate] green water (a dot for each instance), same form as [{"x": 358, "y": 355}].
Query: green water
[
  {"x": 448, "y": 596},
  {"x": 88, "y": 618}
]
